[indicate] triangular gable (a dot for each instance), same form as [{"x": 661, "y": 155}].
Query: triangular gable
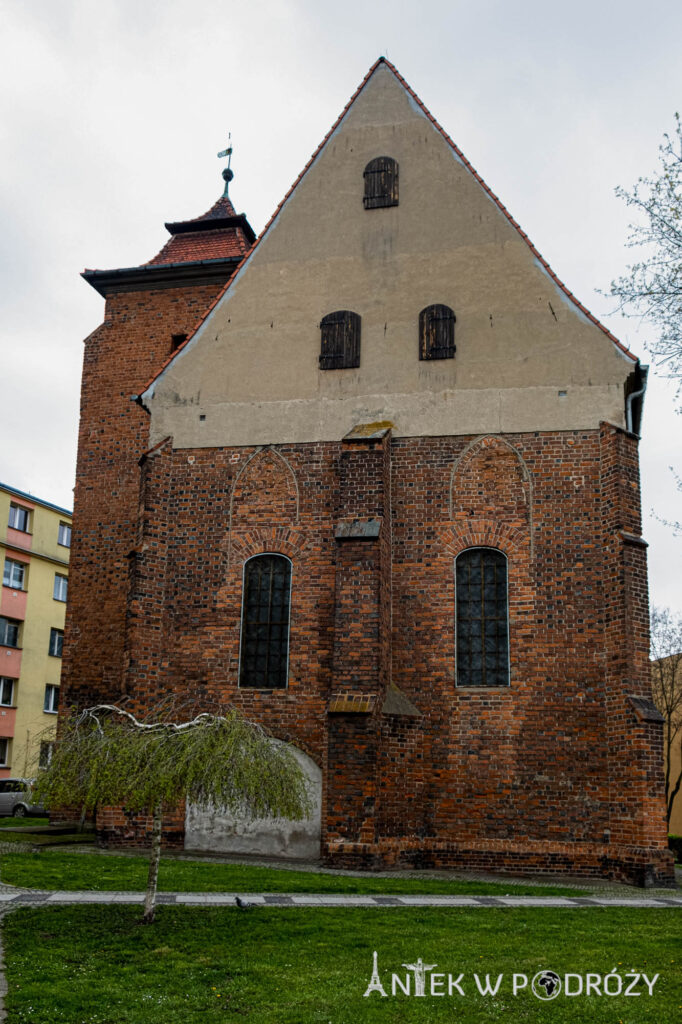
[{"x": 382, "y": 61}]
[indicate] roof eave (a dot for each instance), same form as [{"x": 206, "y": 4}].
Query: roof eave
[{"x": 161, "y": 275}]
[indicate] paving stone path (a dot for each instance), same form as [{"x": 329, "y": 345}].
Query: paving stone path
[{"x": 11, "y": 898}]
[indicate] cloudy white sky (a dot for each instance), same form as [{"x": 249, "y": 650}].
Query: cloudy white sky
[{"x": 112, "y": 111}]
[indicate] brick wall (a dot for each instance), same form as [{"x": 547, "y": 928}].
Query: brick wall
[
  {"x": 554, "y": 772},
  {"x": 119, "y": 358}
]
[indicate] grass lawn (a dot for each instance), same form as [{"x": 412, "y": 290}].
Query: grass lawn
[
  {"x": 98, "y": 965},
  {"x": 63, "y": 870},
  {"x": 12, "y": 822},
  {"x": 47, "y": 839}
]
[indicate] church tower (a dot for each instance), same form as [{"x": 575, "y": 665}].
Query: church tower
[{"x": 150, "y": 310}]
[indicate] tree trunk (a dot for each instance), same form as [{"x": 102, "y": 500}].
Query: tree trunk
[{"x": 154, "y": 858}]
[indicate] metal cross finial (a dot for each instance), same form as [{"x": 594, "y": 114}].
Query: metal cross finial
[{"x": 228, "y": 174}]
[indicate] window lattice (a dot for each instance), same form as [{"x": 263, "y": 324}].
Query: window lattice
[
  {"x": 482, "y": 618},
  {"x": 265, "y": 623}
]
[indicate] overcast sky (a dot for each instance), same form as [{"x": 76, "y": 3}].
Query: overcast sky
[{"x": 112, "y": 112}]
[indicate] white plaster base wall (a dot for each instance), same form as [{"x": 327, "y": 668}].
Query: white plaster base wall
[{"x": 214, "y": 830}]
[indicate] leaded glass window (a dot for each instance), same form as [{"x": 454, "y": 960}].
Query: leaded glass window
[
  {"x": 265, "y": 622},
  {"x": 482, "y": 615}
]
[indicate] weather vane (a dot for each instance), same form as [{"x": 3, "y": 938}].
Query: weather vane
[{"x": 228, "y": 174}]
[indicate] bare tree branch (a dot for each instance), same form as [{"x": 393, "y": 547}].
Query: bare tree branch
[{"x": 652, "y": 288}]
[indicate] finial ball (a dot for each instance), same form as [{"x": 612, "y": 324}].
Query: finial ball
[{"x": 228, "y": 175}]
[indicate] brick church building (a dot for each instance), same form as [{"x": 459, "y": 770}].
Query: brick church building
[{"x": 379, "y": 489}]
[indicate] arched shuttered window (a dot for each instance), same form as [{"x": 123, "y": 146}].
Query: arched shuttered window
[
  {"x": 340, "y": 340},
  {"x": 482, "y": 614},
  {"x": 381, "y": 183},
  {"x": 437, "y": 333},
  {"x": 264, "y": 652}
]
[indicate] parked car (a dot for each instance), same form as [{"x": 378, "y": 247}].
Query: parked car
[{"x": 16, "y": 799}]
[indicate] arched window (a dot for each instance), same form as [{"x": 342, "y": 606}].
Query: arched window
[
  {"x": 482, "y": 618},
  {"x": 340, "y": 340},
  {"x": 437, "y": 333},
  {"x": 264, "y": 654},
  {"x": 381, "y": 183}
]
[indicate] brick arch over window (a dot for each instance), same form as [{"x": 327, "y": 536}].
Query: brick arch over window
[
  {"x": 265, "y": 492},
  {"x": 491, "y": 482}
]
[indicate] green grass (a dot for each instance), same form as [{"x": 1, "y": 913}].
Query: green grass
[
  {"x": 21, "y": 822},
  {"x": 98, "y": 965},
  {"x": 62, "y": 870},
  {"x": 47, "y": 839}
]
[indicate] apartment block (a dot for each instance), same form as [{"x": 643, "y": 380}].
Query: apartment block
[{"x": 35, "y": 538}]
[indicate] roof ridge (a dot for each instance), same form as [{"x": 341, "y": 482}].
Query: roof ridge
[{"x": 422, "y": 106}]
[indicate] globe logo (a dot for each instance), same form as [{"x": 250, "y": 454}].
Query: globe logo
[{"x": 546, "y": 985}]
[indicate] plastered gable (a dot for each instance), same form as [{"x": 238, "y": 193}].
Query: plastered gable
[{"x": 251, "y": 373}]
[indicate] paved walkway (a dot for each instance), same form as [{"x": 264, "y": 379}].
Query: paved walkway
[{"x": 11, "y": 898}]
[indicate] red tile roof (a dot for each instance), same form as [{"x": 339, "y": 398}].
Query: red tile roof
[
  {"x": 484, "y": 185},
  {"x": 202, "y": 245},
  {"x": 222, "y": 208}
]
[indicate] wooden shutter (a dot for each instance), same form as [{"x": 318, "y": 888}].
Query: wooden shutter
[
  {"x": 340, "y": 342},
  {"x": 381, "y": 183},
  {"x": 436, "y": 333}
]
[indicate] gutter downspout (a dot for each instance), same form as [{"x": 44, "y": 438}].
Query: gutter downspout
[{"x": 644, "y": 370}]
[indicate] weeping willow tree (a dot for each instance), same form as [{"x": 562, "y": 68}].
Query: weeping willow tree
[{"x": 106, "y": 755}]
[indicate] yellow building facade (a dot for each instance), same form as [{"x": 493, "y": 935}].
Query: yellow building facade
[{"x": 35, "y": 539}]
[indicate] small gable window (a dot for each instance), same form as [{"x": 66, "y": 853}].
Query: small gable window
[
  {"x": 340, "y": 343},
  {"x": 381, "y": 183},
  {"x": 482, "y": 618},
  {"x": 437, "y": 333}
]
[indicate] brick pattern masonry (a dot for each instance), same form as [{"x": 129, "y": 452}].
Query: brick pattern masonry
[{"x": 557, "y": 772}]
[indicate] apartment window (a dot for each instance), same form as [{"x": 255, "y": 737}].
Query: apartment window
[
  {"x": 56, "y": 642},
  {"x": 64, "y": 535},
  {"x": 19, "y": 517},
  {"x": 14, "y": 574},
  {"x": 51, "y": 703},
  {"x": 4, "y": 752},
  {"x": 340, "y": 340},
  {"x": 9, "y": 632},
  {"x": 6, "y": 692},
  {"x": 482, "y": 618},
  {"x": 437, "y": 333},
  {"x": 265, "y": 622},
  {"x": 46, "y": 752},
  {"x": 381, "y": 183},
  {"x": 61, "y": 584}
]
